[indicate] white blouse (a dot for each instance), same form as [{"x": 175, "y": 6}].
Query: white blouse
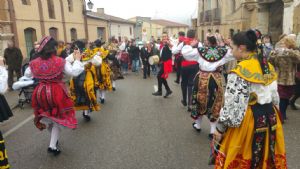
[
  {"x": 177, "y": 48},
  {"x": 96, "y": 60},
  {"x": 192, "y": 54},
  {"x": 237, "y": 96},
  {"x": 69, "y": 69},
  {"x": 3, "y": 79}
]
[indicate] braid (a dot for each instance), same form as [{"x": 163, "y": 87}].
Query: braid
[{"x": 263, "y": 61}]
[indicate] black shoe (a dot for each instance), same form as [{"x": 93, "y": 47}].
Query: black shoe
[
  {"x": 86, "y": 117},
  {"x": 114, "y": 89},
  {"x": 168, "y": 93},
  {"x": 55, "y": 152},
  {"x": 189, "y": 109},
  {"x": 176, "y": 81},
  {"x": 183, "y": 103},
  {"x": 198, "y": 130},
  {"x": 145, "y": 77},
  {"x": 102, "y": 101},
  {"x": 158, "y": 93}
]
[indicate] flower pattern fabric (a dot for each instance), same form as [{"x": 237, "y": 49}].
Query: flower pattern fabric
[{"x": 237, "y": 96}]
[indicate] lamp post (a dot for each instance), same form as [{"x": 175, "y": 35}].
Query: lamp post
[{"x": 90, "y": 5}]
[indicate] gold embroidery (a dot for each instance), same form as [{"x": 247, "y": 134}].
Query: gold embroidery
[{"x": 250, "y": 70}]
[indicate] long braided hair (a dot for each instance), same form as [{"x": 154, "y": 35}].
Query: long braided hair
[{"x": 260, "y": 53}]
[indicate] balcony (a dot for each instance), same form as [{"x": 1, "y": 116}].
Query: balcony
[
  {"x": 210, "y": 16},
  {"x": 216, "y": 15}
]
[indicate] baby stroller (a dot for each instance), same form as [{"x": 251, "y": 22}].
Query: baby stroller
[{"x": 26, "y": 86}]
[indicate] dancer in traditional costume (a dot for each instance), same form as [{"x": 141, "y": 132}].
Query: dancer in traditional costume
[
  {"x": 114, "y": 64},
  {"x": 83, "y": 87},
  {"x": 53, "y": 108},
  {"x": 5, "y": 113},
  {"x": 249, "y": 127},
  {"x": 189, "y": 69},
  {"x": 208, "y": 95},
  {"x": 178, "y": 56},
  {"x": 165, "y": 66},
  {"x": 104, "y": 73}
]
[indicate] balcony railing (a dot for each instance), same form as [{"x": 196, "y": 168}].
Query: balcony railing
[{"x": 208, "y": 16}]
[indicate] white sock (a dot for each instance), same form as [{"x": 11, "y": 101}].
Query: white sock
[
  {"x": 102, "y": 94},
  {"x": 213, "y": 126},
  {"x": 198, "y": 122},
  {"x": 98, "y": 94},
  {"x": 54, "y": 136},
  {"x": 114, "y": 84},
  {"x": 86, "y": 112}
]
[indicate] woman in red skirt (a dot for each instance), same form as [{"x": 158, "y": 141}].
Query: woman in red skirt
[{"x": 53, "y": 107}]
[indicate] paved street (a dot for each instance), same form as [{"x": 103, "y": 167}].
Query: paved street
[{"x": 133, "y": 130}]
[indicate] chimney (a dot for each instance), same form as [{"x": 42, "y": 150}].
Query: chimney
[{"x": 100, "y": 11}]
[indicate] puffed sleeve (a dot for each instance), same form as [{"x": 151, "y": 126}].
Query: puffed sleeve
[
  {"x": 190, "y": 53},
  {"x": 28, "y": 73},
  {"x": 274, "y": 94},
  {"x": 70, "y": 58},
  {"x": 97, "y": 60},
  {"x": 3, "y": 79},
  {"x": 236, "y": 101},
  {"x": 73, "y": 69},
  {"x": 177, "y": 48}
]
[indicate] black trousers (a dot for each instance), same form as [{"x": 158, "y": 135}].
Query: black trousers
[
  {"x": 146, "y": 70},
  {"x": 11, "y": 76},
  {"x": 188, "y": 74},
  {"x": 283, "y": 105},
  {"x": 161, "y": 81},
  {"x": 178, "y": 69},
  {"x": 297, "y": 92}
]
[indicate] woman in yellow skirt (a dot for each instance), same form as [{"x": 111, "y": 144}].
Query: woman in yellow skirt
[
  {"x": 83, "y": 87},
  {"x": 249, "y": 130},
  {"x": 104, "y": 73}
]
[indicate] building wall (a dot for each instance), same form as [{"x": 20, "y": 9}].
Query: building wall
[
  {"x": 240, "y": 15},
  {"x": 121, "y": 30},
  {"x": 93, "y": 24},
  {"x": 72, "y": 19},
  {"x": 289, "y": 14},
  {"x": 5, "y": 26}
]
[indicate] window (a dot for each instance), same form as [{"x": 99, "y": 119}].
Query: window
[
  {"x": 53, "y": 32},
  {"x": 70, "y": 5},
  {"x": 208, "y": 4},
  {"x": 51, "y": 9},
  {"x": 100, "y": 33},
  {"x": 26, "y": 2},
  {"x": 73, "y": 34},
  {"x": 130, "y": 30},
  {"x": 233, "y": 7},
  {"x": 30, "y": 38}
]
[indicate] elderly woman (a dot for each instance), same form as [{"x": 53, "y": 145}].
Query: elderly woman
[{"x": 285, "y": 60}]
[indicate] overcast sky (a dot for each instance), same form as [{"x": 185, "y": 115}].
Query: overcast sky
[{"x": 176, "y": 10}]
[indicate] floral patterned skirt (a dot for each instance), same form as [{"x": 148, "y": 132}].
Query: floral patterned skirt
[{"x": 237, "y": 146}]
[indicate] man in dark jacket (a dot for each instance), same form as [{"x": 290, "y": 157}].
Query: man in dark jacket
[
  {"x": 134, "y": 52},
  {"x": 146, "y": 52},
  {"x": 13, "y": 58}
]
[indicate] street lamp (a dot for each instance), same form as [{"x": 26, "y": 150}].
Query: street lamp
[{"x": 90, "y": 5}]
